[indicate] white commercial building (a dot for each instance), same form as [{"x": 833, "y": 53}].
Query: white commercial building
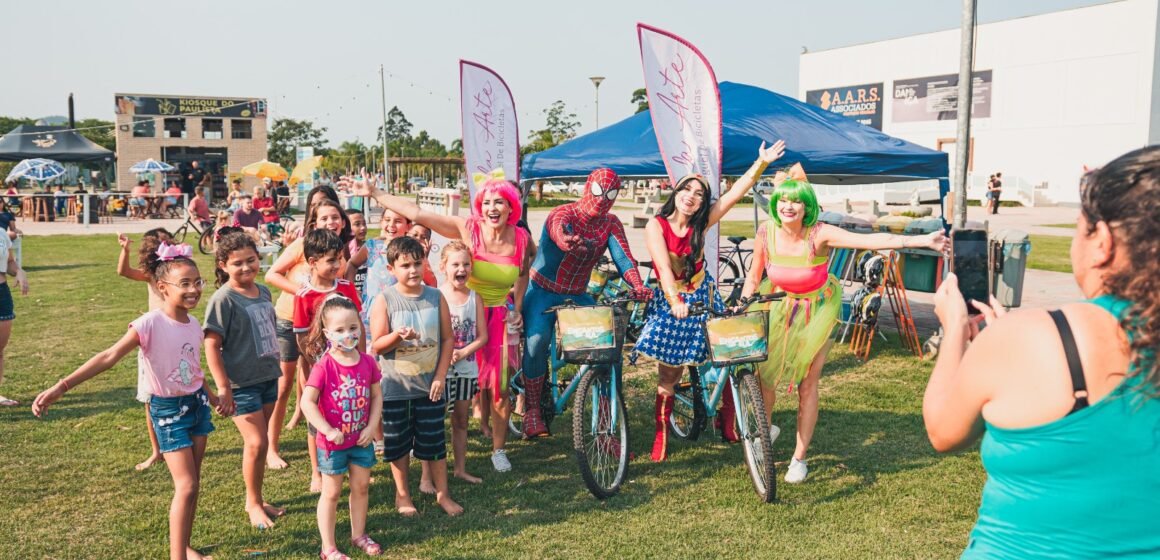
[{"x": 1053, "y": 93}]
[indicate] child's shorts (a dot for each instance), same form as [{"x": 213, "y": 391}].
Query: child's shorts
[
  {"x": 338, "y": 462},
  {"x": 415, "y": 425},
  {"x": 252, "y": 398},
  {"x": 461, "y": 389},
  {"x": 177, "y": 420},
  {"x": 287, "y": 341}
]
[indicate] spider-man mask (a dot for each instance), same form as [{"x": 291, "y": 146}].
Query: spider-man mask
[{"x": 600, "y": 192}]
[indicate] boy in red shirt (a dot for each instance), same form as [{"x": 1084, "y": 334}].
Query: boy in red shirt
[{"x": 322, "y": 250}]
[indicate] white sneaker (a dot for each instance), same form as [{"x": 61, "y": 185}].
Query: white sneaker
[
  {"x": 774, "y": 431},
  {"x": 500, "y": 461},
  {"x": 797, "y": 472}
]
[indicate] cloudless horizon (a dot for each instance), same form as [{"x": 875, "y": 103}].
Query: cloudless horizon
[{"x": 320, "y": 61}]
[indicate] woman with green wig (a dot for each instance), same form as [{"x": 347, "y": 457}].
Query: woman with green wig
[{"x": 792, "y": 249}]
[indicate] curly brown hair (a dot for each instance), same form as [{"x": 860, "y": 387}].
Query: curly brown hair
[
  {"x": 1125, "y": 194},
  {"x": 153, "y": 264},
  {"x": 236, "y": 241},
  {"x": 315, "y": 343}
]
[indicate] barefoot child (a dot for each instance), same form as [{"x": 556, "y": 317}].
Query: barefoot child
[
  {"x": 323, "y": 250},
  {"x": 343, "y": 402},
  {"x": 470, "y": 335},
  {"x": 241, "y": 350},
  {"x": 149, "y": 243},
  {"x": 169, "y": 339},
  {"x": 411, "y": 329}
]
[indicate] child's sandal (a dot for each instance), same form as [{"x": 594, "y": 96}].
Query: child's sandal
[
  {"x": 365, "y": 544},
  {"x": 333, "y": 554}
]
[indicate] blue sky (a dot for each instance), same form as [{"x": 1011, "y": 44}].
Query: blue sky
[{"x": 320, "y": 60}]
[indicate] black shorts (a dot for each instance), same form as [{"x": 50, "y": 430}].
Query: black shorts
[
  {"x": 287, "y": 341},
  {"x": 415, "y": 425},
  {"x": 7, "y": 306}
]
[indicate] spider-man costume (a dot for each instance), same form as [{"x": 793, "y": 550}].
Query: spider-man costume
[{"x": 575, "y": 236}]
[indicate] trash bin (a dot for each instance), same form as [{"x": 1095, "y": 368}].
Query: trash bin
[
  {"x": 1010, "y": 248},
  {"x": 921, "y": 268}
]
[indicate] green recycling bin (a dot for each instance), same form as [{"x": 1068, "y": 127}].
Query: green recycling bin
[
  {"x": 1010, "y": 248},
  {"x": 921, "y": 268}
]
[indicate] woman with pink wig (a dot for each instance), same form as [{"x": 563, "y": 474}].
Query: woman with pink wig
[{"x": 500, "y": 260}]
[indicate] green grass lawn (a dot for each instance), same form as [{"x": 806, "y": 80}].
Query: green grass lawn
[
  {"x": 1061, "y": 226},
  {"x": 876, "y": 488},
  {"x": 1050, "y": 252}
]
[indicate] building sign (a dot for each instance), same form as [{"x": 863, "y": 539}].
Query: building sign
[
  {"x": 935, "y": 98},
  {"x": 862, "y": 103},
  {"x": 190, "y": 106}
]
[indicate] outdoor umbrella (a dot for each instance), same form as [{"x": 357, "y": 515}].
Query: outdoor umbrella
[
  {"x": 150, "y": 166},
  {"x": 304, "y": 171},
  {"x": 266, "y": 170},
  {"x": 37, "y": 170}
]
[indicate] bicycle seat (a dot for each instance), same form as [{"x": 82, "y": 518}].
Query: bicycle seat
[
  {"x": 736, "y": 239},
  {"x": 645, "y": 264}
]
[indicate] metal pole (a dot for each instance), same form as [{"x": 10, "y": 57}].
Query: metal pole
[
  {"x": 965, "y": 99},
  {"x": 596, "y": 81},
  {"x": 386, "y": 167}
]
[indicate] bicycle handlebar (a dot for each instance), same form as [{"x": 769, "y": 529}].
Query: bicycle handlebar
[
  {"x": 702, "y": 309},
  {"x": 569, "y": 304}
]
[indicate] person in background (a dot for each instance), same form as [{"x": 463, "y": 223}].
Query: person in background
[
  {"x": 423, "y": 234},
  {"x": 232, "y": 197},
  {"x": 1066, "y": 402},
  {"x": 199, "y": 208},
  {"x": 192, "y": 178},
  {"x": 13, "y": 194},
  {"x": 264, "y": 204},
  {"x": 8, "y": 221},
  {"x": 137, "y": 203},
  {"x": 172, "y": 197},
  {"x": 60, "y": 200},
  {"x": 247, "y": 217},
  {"x": 996, "y": 190}
]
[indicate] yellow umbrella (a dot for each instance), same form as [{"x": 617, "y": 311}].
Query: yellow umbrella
[
  {"x": 304, "y": 171},
  {"x": 266, "y": 170}
]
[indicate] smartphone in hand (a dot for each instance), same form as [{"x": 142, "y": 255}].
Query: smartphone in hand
[{"x": 970, "y": 263}]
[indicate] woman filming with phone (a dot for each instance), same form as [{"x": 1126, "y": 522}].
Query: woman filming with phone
[{"x": 1066, "y": 401}]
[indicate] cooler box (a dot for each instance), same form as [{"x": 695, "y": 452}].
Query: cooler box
[
  {"x": 1010, "y": 248},
  {"x": 855, "y": 223}
]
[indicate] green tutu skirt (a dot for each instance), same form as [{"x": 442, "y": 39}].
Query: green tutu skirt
[{"x": 799, "y": 326}]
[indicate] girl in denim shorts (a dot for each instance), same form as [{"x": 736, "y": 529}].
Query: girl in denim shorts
[{"x": 170, "y": 341}]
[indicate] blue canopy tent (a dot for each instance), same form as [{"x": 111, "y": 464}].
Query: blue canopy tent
[{"x": 832, "y": 148}]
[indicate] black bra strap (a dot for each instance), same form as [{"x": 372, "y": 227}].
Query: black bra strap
[{"x": 1078, "y": 384}]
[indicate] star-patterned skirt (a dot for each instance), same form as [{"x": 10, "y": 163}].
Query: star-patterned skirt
[{"x": 672, "y": 341}]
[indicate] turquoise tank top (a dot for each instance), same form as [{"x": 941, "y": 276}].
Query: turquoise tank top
[{"x": 1084, "y": 486}]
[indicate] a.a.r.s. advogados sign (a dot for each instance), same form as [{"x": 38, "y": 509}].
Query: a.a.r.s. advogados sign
[{"x": 862, "y": 103}]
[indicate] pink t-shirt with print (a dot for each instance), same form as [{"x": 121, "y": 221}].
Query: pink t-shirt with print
[
  {"x": 344, "y": 396},
  {"x": 170, "y": 353}
]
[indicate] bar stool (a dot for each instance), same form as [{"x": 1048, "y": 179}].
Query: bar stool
[{"x": 42, "y": 209}]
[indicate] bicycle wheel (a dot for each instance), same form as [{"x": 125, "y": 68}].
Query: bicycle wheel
[
  {"x": 179, "y": 233},
  {"x": 688, "y": 418},
  {"x": 516, "y": 402},
  {"x": 730, "y": 283},
  {"x": 600, "y": 433},
  {"x": 205, "y": 241},
  {"x": 755, "y": 436}
]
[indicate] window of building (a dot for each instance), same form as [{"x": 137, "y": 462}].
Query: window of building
[
  {"x": 175, "y": 128},
  {"x": 241, "y": 129},
  {"x": 144, "y": 127},
  {"x": 211, "y": 129}
]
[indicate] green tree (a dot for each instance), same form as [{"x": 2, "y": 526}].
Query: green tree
[
  {"x": 288, "y": 134},
  {"x": 398, "y": 127},
  {"x": 9, "y": 123},
  {"x": 640, "y": 97},
  {"x": 456, "y": 149},
  {"x": 101, "y": 132},
  {"x": 559, "y": 127}
]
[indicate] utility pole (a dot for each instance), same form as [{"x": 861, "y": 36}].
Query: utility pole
[
  {"x": 386, "y": 166},
  {"x": 966, "y": 99}
]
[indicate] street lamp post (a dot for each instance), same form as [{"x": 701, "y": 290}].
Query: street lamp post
[{"x": 596, "y": 82}]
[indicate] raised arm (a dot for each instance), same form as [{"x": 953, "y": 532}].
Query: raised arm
[
  {"x": 276, "y": 276},
  {"x": 765, "y": 156},
  {"x": 831, "y": 236},
  {"x": 123, "y": 267},
  {"x": 451, "y": 227}
]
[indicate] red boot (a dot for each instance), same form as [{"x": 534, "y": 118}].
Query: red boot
[
  {"x": 664, "y": 409},
  {"x": 727, "y": 417},
  {"x": 533, "y": 421}
]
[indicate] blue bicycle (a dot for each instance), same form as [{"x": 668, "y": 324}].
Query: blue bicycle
[
  {"x": 588, "y": 346},
  {"x": 736, "y": 339}
]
